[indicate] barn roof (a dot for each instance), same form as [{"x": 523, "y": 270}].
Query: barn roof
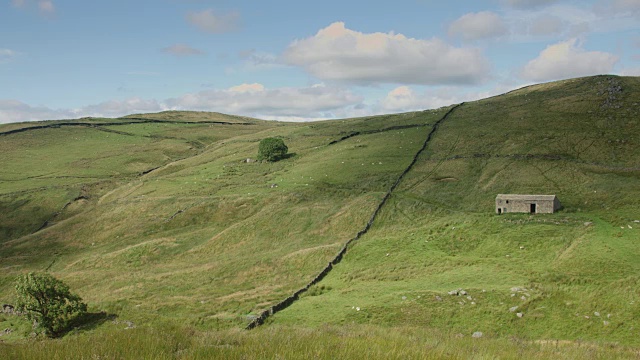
[{"x": 525, "y": 197}]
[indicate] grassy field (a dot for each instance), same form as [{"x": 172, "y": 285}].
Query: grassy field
[
  {"x": 163, "y": 225},
  {"x": 326, "y": 342}
]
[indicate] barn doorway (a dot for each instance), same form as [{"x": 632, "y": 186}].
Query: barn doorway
[
  {"x": 499, "y": 211},
  {"x": 533, "y": 209}
]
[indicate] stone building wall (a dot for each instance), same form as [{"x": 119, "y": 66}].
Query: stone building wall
[{"x": 534, "y": 204}]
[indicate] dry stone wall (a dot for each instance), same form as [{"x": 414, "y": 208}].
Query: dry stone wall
[{"x": 260, "y": 319}]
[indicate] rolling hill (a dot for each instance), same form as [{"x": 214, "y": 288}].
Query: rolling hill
[{"x": 160, "y": 220}]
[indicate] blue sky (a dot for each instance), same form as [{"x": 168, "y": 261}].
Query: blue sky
[{"x": 295, "y": 60}]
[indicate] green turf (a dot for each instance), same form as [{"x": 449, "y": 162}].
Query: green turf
[{"x": 207, "y": 240}]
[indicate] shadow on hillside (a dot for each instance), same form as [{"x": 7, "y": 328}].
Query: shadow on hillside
[{"x": 87, "y": 321}]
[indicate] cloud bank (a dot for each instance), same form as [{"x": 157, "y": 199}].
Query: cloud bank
[
  {"x": 46, "y": 7},
  {"x": 475, "y": 26},
  {"x": 566, "y": 60},
  {"x": 312, "y": 102},
  {"x": 213, "y": 23},
  {"x": 336, "y": 53}
]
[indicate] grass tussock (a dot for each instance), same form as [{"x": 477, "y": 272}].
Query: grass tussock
[{"x": 346, "y": 342}]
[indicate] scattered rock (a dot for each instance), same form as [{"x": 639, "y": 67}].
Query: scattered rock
[
  {"x": 438, "y": 298},
  {"x": 512, "y": 309},
  {"x": 404, "y": 298},
  {"x": 274, "y": 186},
  {"x": 469, "y": 298},
  {"x": 523, "y": 298},
  {"x": 130, "y": 324},
  {"x": 521, "y": 247},
  {"x": 588, "y": 223},
  {"x": 596, "y": 313},
  {"x": 605, "y": 323},
  {"x": 477, "y": 334},
  {"x": 458, "y": 292},
  {"x": 8, "y": 309},
  {"x": 520, "y": 315}
]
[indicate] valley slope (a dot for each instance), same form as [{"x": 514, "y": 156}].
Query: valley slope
[{"x": 160, "y": 219}]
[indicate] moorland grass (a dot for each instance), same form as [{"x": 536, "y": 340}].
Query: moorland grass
[
  {"x": 207, "y": 241},
  {"x": 328, "y": 342}
]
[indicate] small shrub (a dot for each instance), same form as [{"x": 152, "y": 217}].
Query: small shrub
[
  {"x": 272, "y": 149},
  {"x": 48, "y": 301}
]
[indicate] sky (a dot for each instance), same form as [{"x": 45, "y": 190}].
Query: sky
[{"x": 297, "y": 60}]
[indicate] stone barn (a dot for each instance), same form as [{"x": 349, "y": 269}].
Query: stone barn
[{"x": 533, "y": 204}]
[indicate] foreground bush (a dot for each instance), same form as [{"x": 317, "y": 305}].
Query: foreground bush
[{"x": 48, "y": 302}]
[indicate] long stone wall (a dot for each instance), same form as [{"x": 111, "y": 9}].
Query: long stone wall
[{"x": 260, "y": 319}]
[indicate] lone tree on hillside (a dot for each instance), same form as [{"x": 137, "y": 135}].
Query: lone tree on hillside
[
  {"x": 48, "y": 301},
  {"x": 272, "y": 149}
]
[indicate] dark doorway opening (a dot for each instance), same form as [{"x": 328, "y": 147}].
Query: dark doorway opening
[
  {"x": 533, "y": 208},
  {"x": 499, "y": 211}
]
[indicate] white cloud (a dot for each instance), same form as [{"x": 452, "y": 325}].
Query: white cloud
[
  {"x": 210, "y": 22},
  {"x": 340, "y": 54},
  {"x": 545, "y": 25},
  {"x": 625, "y": 6},
  {"x": 405, "y": 98},
  {"x": 306, "y": 103},
  {"x": 254, "y": 60},
  {"x": 256, "y": 100},
  {"x": 566, "y": 60},
  {"x": 246, "y": 88},
  {"x": 630, "y": 71},
  {"x": 16, "y": 111},
  {"x": 45, "y": 6},
  {"x": 115, "y": 108},
  {"x": 7, "y": 55},
  {"x": 528, "y": 4},
  {"x": 481, "y": 25},
  {"x": 182, "y": 50}
]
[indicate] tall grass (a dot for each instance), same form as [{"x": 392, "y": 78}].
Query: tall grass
[{"x": 345, "y": 342}]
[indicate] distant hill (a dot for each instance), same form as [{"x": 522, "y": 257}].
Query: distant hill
[{"x": 159, "y": 218}]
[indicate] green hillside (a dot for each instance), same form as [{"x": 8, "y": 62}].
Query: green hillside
[{"x": 159, "y": 221}]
